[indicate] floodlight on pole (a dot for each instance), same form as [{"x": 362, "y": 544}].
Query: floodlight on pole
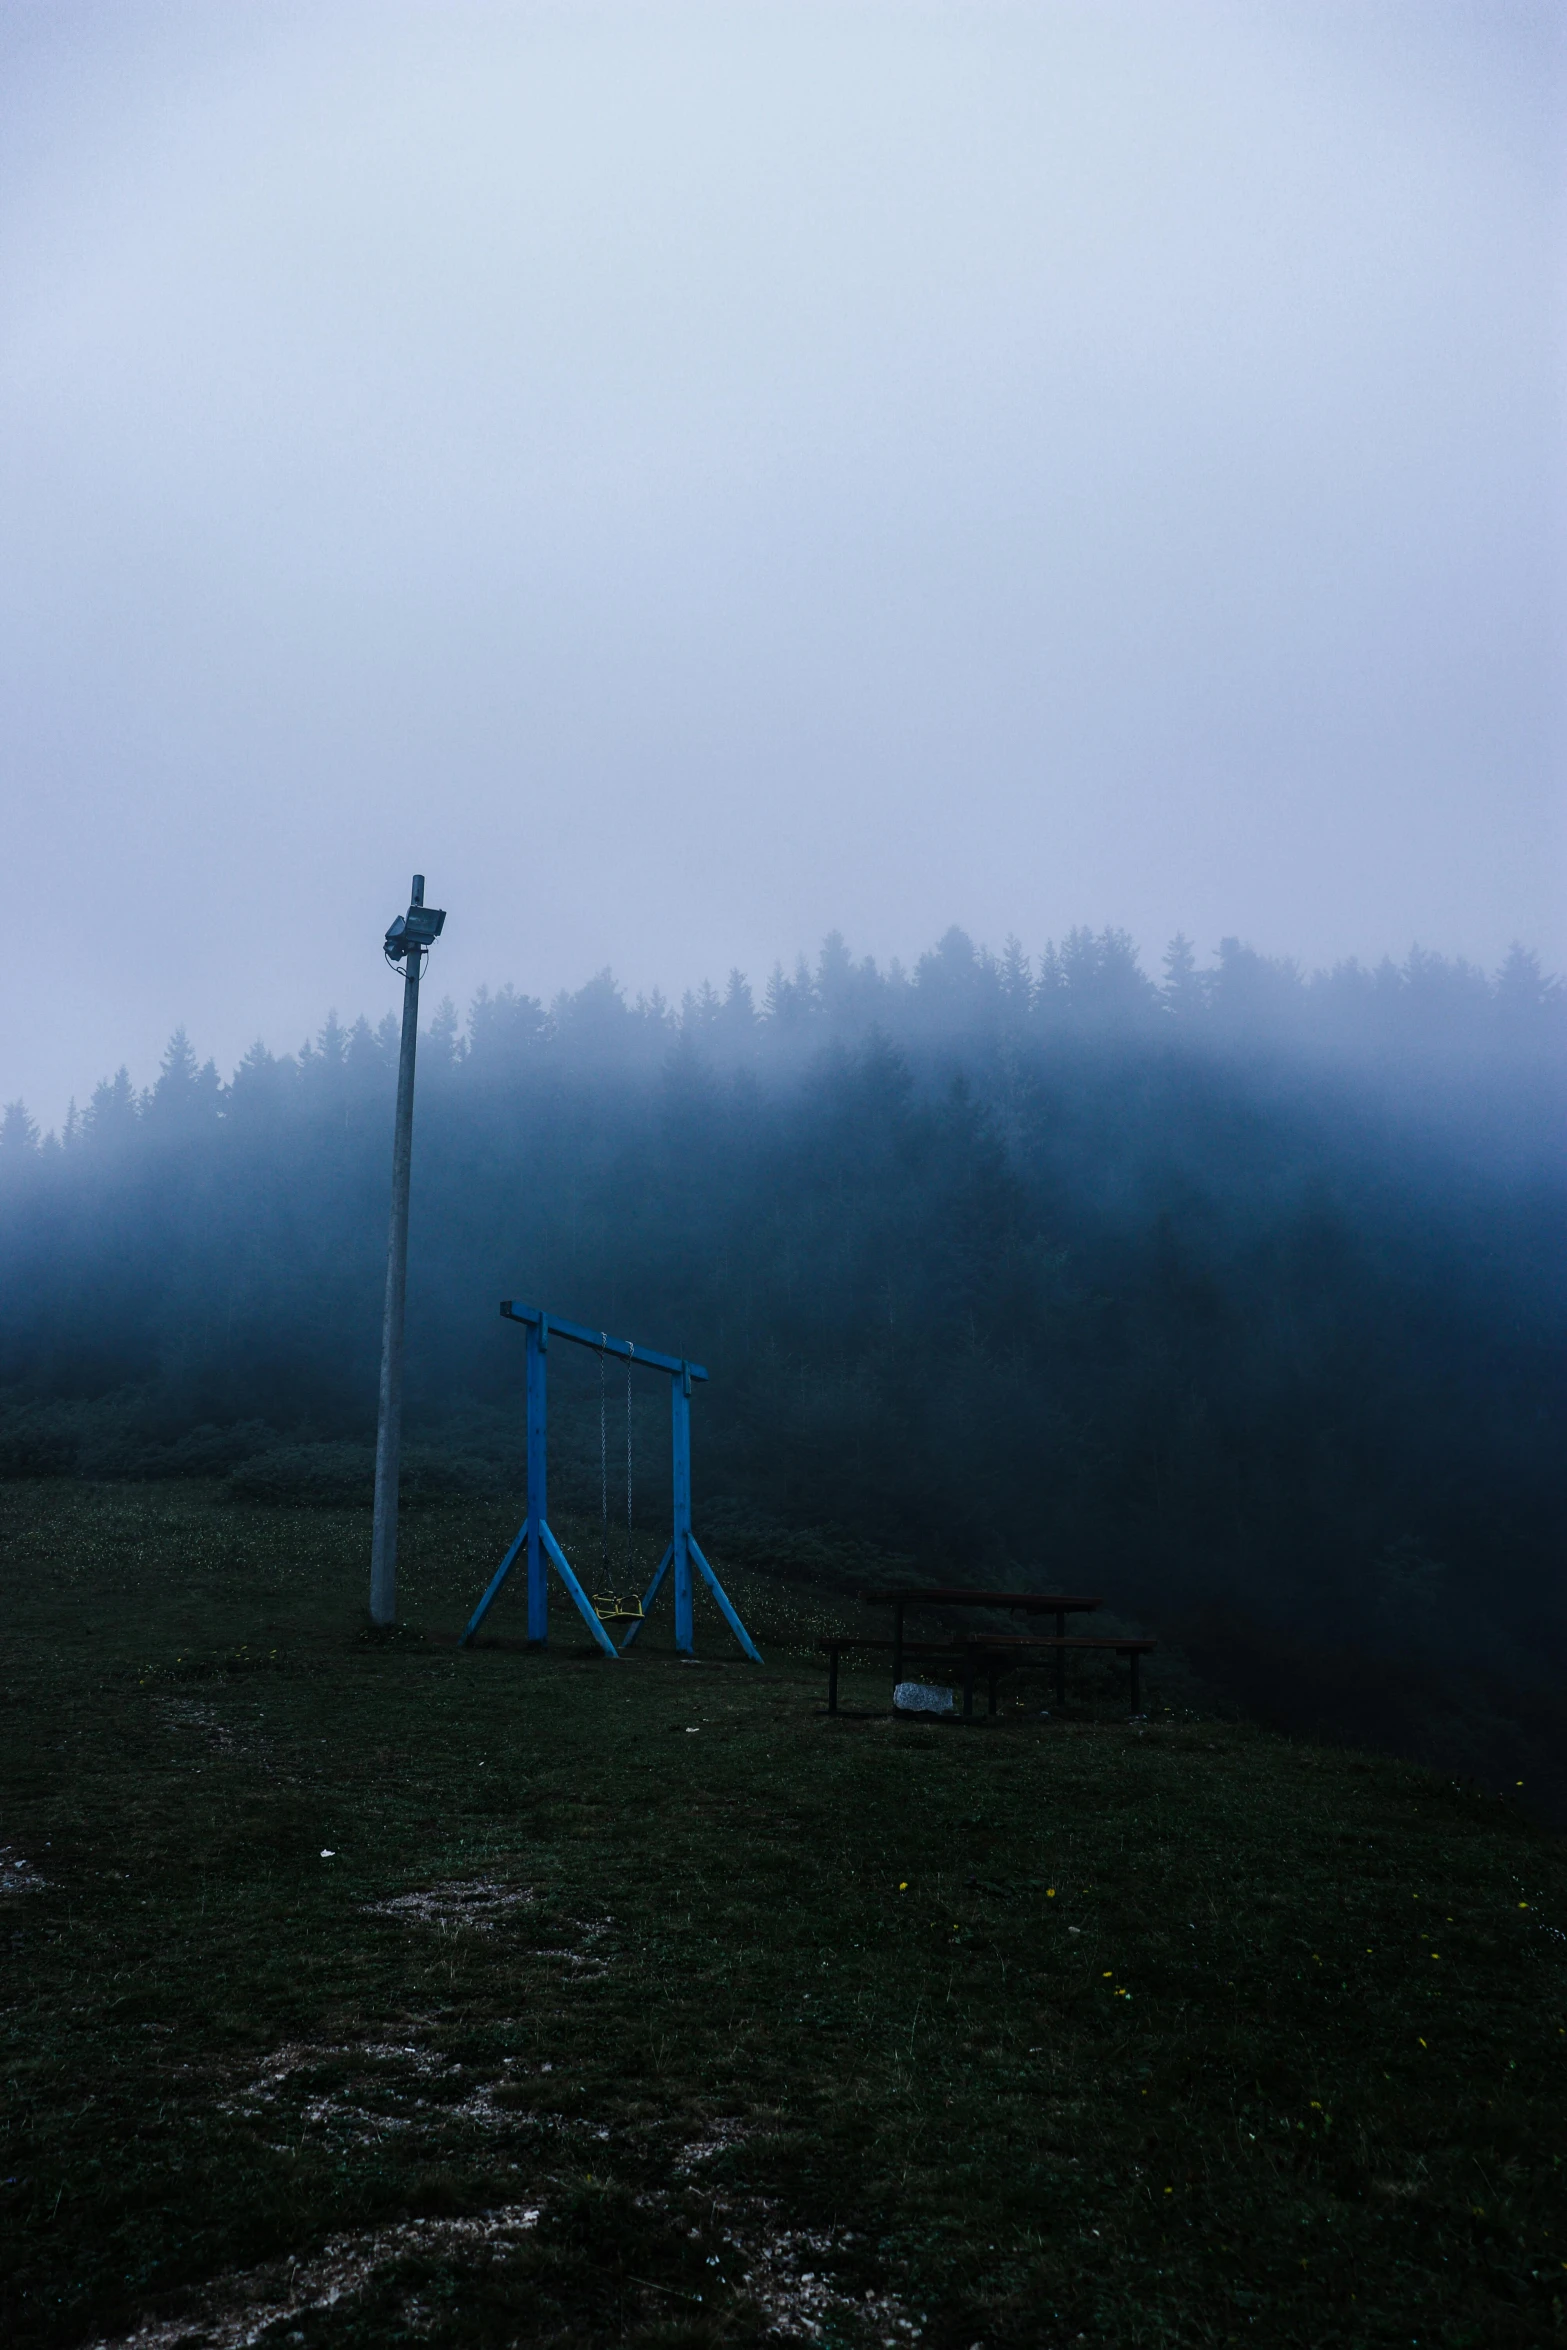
[{"x": 407, "y": 942}]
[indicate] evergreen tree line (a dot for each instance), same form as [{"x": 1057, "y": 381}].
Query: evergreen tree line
[
  {"x": 1092, "y": 982},
  {"x": 1240, "y": 1290}
]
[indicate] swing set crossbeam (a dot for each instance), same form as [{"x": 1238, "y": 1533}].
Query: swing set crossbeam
[
  {"x": 535, "y": 1538},
  {"x": 551, "y": 1326}
]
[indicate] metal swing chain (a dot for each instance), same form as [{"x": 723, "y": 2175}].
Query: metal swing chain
[
  {"x": 603, "y": 1462},
  {"x": 630, "y": 1562}
]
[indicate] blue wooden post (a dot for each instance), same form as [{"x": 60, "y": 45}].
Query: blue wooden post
[
  {"x": 538, "y": 1453},
  {"x": 680, "y": 1429}
]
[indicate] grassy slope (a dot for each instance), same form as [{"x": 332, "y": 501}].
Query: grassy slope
[{"x": 787, "y": 1997}]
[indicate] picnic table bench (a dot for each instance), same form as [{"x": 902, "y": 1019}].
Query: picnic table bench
[{"x": 994, "y": 1653}]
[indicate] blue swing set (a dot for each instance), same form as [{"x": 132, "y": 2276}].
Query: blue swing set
[{"x": 535, "y": 1537}]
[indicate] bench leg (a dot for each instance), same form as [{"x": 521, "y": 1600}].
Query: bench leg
[
  {"x": 992, "y": 1694},
  {"x": 968, "y": 1684},
  {"x": 897, "y": 1643},
  {"x": 1136, "y": 1661},
  {"x": 832, "y": 1680},
  {"x": 1060, "y": 1678}
]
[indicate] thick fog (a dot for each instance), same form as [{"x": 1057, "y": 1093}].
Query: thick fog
[
  {"x": 692, "y": 480},
  {"x": 1238, "y": 1297}
]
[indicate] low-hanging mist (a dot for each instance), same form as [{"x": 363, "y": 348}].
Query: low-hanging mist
[{"x": 1238, "y": 1292}]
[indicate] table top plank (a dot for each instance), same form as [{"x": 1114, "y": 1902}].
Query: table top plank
[
  {"x": 1034, "y": 1603},
  {"x": 1005, "y": 1642}
]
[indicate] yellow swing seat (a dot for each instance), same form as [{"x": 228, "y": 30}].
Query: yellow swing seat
[{"x": 612, "y": 1610}]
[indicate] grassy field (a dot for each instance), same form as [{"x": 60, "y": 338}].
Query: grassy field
[{"x": 642, "y": 2004}]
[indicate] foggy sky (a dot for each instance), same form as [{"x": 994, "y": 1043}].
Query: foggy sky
[{"x": 690, "y": 479}]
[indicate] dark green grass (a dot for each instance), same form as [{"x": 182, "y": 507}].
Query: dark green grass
[{"x": 1033, "y": 2032}]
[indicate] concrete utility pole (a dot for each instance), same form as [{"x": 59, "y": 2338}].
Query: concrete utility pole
[{"x": 407, "y": 942}]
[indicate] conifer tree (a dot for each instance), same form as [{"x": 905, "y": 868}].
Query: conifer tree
[
  {"x": 18, "y": 1134},
  {"x": 1017, "y": 984},
  {"x": 738, "y": 1013},
  {"x": 1183, "y": 992},
  {"x": 445, "y": 1042}
]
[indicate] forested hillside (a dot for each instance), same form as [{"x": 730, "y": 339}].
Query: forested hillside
[{"x": 1241, "y": 1288}]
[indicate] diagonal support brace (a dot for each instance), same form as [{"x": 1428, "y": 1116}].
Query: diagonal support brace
[
  {"x": 585, "y": 1607},
  {"x": 648, "y": 1598},
  {"x": 495, "y": 1582},
  {"x": 722, "y": 1597}
]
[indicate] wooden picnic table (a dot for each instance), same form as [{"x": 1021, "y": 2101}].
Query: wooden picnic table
[{"x": 1029, "y": 1603}]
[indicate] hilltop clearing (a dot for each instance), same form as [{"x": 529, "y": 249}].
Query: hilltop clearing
[{"x": 365, "y": 1991}]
